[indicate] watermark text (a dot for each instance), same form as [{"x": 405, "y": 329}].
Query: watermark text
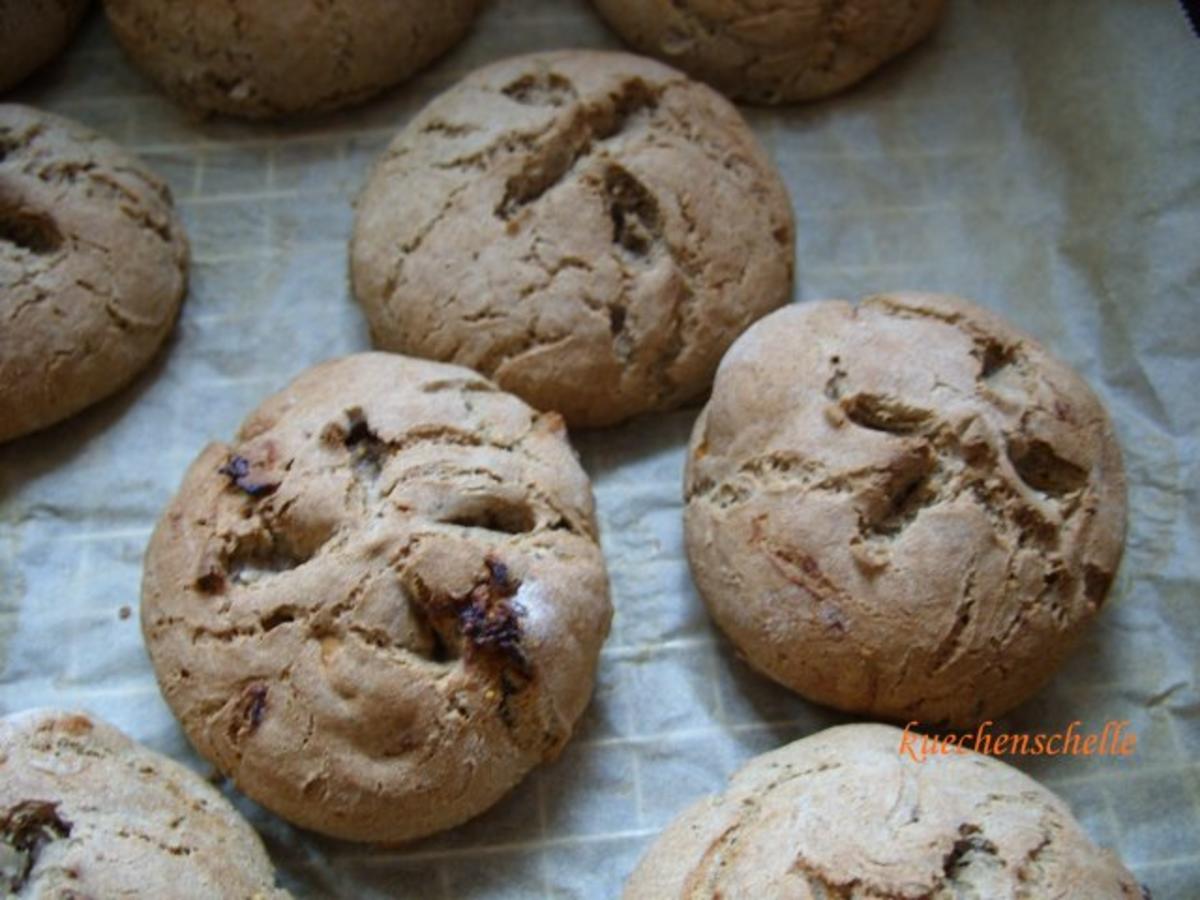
[{"x": 1115, "y": 739}]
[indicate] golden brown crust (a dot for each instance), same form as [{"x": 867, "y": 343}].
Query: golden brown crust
[
  {"x": 590, "y": 229},
  {"x": 383, "y": 604},
  {"x": 843, "y": 814},
  {"x": 906, "y": 509},
  {"x": 774, "y": 51},
  {"x": 93, "y": 268},
  {"x": 260, "y": 60},
  {"x": 86, "y": 812}
]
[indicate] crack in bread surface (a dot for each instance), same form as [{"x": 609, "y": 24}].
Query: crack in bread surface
[
  {"x": 977, "y": 480},
  {"x": 841, "y": 815},
  {"x": 597, "y": 328},
  {"x": 405, "y": 554},
  {"x": 93, "y": 814},
  {"x": 73, "y": 326}
]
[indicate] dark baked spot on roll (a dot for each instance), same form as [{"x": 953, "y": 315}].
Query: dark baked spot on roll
[
  {"x": 249, "y": 711},
  {"x": 441, "y": 650},
  {"x": 29, "y": 231},
  {"x": 971, "y": 849},
  {"x": 633, "y": 210},
  {"x": 833, "y": 386},
  {"x": 1040, "y": 467},
  {"x": 256, "y": 705},
  {"x": 367, "y": 451},
  {"x": 616, "y": 319},
  {"x": 583, "y": 132},
  {"x": 360, "y": 434},
  {"x": 509, "y": 688},
  {"x": 541, "y": 89},
  {"x": 211, "y": 581},
  {"x": 493, "y": 619},
  {"x": 283, "y": 615},
  {"x": 993, "y": 356},
  {"x": 480, "y": 626},
  {"x": 26, "y": 828},
  {"x": 881, "y": 413},
  {"x": 240, "y": 472},
  {"x": 490, "y": 621},
  {"x": 464, "y": 385},
  {"x": 912, "y": 495}
]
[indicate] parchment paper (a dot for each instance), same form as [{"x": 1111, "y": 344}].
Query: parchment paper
[{"x": 1039, "y": 156}]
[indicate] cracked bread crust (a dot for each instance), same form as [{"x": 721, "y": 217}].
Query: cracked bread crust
[
  {"x": 906, "y": 509},
  {"x": 33, "y": 32},
  {"x": 261, "y": 60},
  {"x": 592, "y": 230},
  {"x": 384, "y": 603},
  {"x": 774, "y": 51},
  {"x": 86, "y": 812},
  {"x": 93, "y": 268},
  {"x": 842, "y": 814}
]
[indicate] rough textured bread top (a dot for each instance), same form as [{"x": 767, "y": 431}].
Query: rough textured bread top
[
  {"x": 87, "y": 813},
  {"x": 842, "y": 815},
  {"x": 905, "y": 508},
  {"x": 266, "y": 60},
  {"x": 590, "y": 229},
  {"x": 384, "y": 603},
  {"x": 774, "y": 51},
  {"x": 93, "y": 268}
]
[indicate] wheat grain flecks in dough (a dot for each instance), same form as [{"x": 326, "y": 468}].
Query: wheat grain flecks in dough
[
  {"x": 905, "y": 508},
  {"x": 32, "y": 33},
  {"x": 383, "y": 604},
  {"x": 774, "y": 51},
  {"x": 93, "y": 268},
  {"x": 843, "y": 814},
  {"x": 268, "y": 60},
  {"x": 86, "y": 812},
  {"x": 592, "y": 230}
]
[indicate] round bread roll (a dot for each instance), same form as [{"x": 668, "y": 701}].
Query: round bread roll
[
  {"x": 93, "y": 268},
  {"x": 383, "y": 604},
  {"x": 592, "y": 230},
  {"x": 270, "y": 60},
  {"x": 86, "y": 812},
  {"x": 33, "y": 32},
  {"x": 844, "y": 814},
  {"x": 906, "y": 509},
  {"x": 778, "y": 52}
]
